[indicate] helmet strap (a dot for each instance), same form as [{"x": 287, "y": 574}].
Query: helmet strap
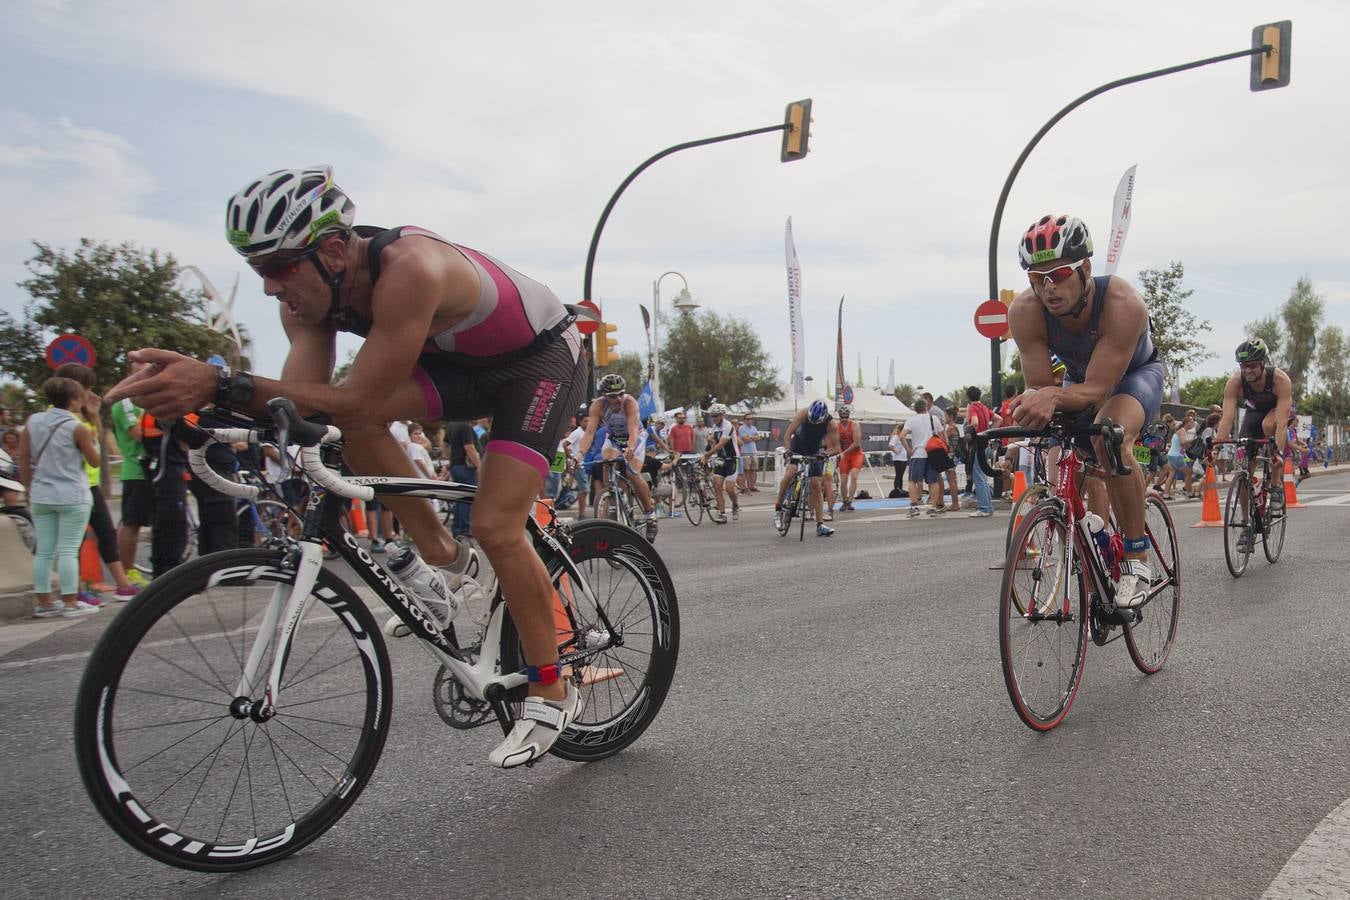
[
  {"x": 334, "y": 281},
  {"x": 1082, "y": 300}
]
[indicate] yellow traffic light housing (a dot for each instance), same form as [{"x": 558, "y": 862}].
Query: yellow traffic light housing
[
  {"x": 606, "y": 347},
  {"x": 1270, "y": 66},
  {"x": 798, "y": 131}
]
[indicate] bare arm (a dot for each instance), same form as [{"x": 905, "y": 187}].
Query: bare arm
[
  {"x": 832, "y": 438},
  {"x": 84, "y": 439},
  {"x": 1284, "y": 398}
]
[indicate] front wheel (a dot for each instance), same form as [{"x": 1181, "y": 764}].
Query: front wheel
[
  {"x": 1024, "y": 504},
  {"x": 1272, "y": 539},
  {"x": 620, "y": 647},
  {"x": 789, "y": 508},
  {"x": 1042, "y": 620},
  {"x": 167, "y": 748},
  {"x": 1237, "y": 525},
  {"x": 1150, "y": 638}
]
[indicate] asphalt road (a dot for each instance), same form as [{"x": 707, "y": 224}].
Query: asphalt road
[{"x": 838, "y": 726}]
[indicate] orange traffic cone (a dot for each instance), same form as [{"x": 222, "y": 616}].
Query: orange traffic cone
[
  {"x": 1019, "y": 485},
  {"x": 91, "y": 566},
  {"x": 359, "y": 519},
  {"x": 1290, "y": 494},
  {"x": 1210, "y": 517}
]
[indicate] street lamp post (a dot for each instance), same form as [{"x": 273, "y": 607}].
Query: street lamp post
[{"x": 685, "y": 303}]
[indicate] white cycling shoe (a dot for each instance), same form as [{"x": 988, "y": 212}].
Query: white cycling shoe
[
  {"x": 541, "y": 722},
  {"x": 1135, "y": 580}
]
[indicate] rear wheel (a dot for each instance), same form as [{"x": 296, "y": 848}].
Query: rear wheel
[
  {"x": 1150, "y": 639},
  {"x": 1237, "y": 525},
  {"x": 193, "y": 773},
  {"x": 620, "y": 648},
  {"x": 1043, "y": 621}
]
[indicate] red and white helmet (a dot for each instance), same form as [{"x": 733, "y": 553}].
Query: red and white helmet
[
  {"x": 1054, "y": 238},
  {"x": 288, "y": 209}
]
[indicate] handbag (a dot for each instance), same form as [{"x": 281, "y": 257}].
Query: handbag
[{"x": 938, "y": 440}]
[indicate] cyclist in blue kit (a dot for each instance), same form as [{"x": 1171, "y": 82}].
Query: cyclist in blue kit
[{"x": 1099, "y": 328}]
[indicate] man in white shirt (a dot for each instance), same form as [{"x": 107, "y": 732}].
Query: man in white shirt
[
  {"x": 570, "y": 445},
  {"x": 918, "y": 429}
]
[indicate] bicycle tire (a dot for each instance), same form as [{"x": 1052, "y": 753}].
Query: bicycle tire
[
  {"x": 122, "y": 686},
  {"x": 682, "y": 492},
  {"x": 1150, "y": 639},
  {"x": 1033, "y": 646},
  {"x": 803, "y": 504},
  {"x": 788, "y": 509},
  {"x": 1272, "y": 536},
  {"x": 638, "y": 670},
  {"x": 1032, "y": 496},
  {"x": 606, "y": 506},
  {"x": 1233, "y": 526}
]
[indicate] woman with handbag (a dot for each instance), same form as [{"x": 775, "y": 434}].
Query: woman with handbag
[{"x": 52, "y": 452}]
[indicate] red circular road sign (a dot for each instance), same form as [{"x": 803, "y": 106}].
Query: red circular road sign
[
  {"x": 588, "y": 317},
  {"x": 991, "y": 319},
  {"x": 68, "y": 348}
]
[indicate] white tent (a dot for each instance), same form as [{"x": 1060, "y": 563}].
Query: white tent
[
  {"x": 870, "y": 405},
  {"x": 784, "y": 408}
]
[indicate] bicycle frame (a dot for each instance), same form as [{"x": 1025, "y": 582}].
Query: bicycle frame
[{"x": 478, "y": 677}]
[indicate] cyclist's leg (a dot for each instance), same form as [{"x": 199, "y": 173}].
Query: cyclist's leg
[
  {"x": 1135, "y": 401},
  {"x": 370, "y": 449},
  {"x": 816, "y": 496},
  {"x": 789, "y": 475}
]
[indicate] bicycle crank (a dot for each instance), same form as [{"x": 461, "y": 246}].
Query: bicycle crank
[{"x": 457, "y": 709}]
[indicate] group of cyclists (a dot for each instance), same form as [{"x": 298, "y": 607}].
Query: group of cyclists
[{"x": 453, "y": 333}]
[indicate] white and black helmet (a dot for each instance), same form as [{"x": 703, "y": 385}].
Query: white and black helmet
[
  {"x": 288, "y": 209},
  {"x": 717, "y": 409}
]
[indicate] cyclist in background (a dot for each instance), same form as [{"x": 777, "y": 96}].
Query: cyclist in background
[
  {"x": 1267, "y": 397},
  {"x": 1098, "y": 327},
  {"x": 725, "y": 444},
  {"x": 810, "y": 429},
  {"x": 617, "y": 411}
]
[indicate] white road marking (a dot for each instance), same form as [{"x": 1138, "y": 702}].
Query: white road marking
[{"x": 1320, "y": 866}]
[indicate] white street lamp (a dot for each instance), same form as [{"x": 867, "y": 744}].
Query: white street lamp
[{"x": 685, "y": 303}]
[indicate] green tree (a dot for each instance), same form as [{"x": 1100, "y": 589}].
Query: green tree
[
  {"x": 1269, "y": 330},
  {"x": 905, "y": 394},
  {"x": 1302, "y": 316},
  {"x": 704, "y": 355},
  {"x": 1204, "y": 391},
  {"x": 119, "y": 297},
  {"x": 1175, "y": 329},
  {"x": 1333, "y": 369}
]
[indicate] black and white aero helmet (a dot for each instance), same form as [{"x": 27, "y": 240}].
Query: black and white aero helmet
[{"x": 288, "y": 209}]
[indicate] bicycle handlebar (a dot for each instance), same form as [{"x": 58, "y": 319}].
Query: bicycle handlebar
[
  {"x": 290, "y": 428},
  {"x": 1112, "y": 435}
]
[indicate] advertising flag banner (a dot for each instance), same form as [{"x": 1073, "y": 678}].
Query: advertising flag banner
[
  {"x": 794, "y": 278},
  {"x": 890, "y": 380},
  {"x": 646, "y": 402},
  {"x": 1121, "y": 212},
  {"x": 839, "y": 359}
]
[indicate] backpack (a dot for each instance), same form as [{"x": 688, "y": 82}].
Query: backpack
[{"x": 1196, "y": 448}]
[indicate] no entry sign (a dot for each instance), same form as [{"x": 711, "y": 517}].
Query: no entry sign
[
  {"x": 70, "y": 348},
  {"x": 991, "y": 319},
  {"x": 588, "y": 317}
]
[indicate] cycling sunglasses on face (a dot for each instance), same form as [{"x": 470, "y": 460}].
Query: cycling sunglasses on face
[
  {"x": 281, "y": 269},
  {"x": 1054, "y": 276}
]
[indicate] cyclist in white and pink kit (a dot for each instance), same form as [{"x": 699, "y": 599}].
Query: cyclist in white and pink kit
[{"x": 449, "y": 332}]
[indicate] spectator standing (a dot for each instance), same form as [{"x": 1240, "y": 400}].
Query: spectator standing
[
  {"x": 680, "y": 436},
  {"x": 419, "y": 451},
  {"x": 580, "y": 477},
  {"x": 52, "y": 451},
  {"x": 851, "y": 457},
  {"x": 462, "y": 440},
  {"x": 9, "y": 440},
  {"x": 100, "y": 518},
  {"x": 138, "y": 493},
  {"x": 749, "y": 453},
  {"x": 979, "y": 418},
  {"x": 899, "y": 458},
  {"x": 918, "y": 429}
]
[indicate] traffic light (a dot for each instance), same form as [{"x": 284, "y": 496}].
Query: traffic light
[
  {"x": 1006, "y": 297},
  {"x": 1270, "y": 67},
  {"x": 798, "y": 131},
  {"x": 606, "y": 347}
]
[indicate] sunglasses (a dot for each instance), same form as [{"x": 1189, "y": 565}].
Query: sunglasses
[
  {"x": 281, "y": 269},
  {"x": 1054, "y": 276}
]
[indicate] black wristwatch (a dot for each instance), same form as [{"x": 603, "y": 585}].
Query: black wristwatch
[{"x": 234, "y": 389}]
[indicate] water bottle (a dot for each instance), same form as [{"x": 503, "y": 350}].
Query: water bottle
[
  {"x": 424, "y": 581},
  {"x": 1098, "y": 529}
]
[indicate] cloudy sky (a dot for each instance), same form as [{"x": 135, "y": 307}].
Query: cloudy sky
[{"x": 507, "y": 126}]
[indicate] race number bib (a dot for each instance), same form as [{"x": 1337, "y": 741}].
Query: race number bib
[
  {"x": 1142, "y": 454},
  {"x": 559, "y": 463}
]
